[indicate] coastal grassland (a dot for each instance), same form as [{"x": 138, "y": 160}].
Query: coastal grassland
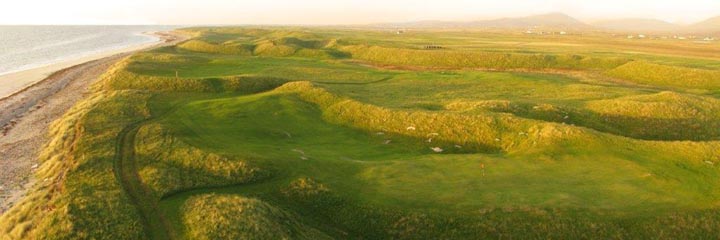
[
  {"x": 366, "y": 134},
  {"x": 77, "y": 194},
  {"x": 638, "y": 112},
  {"x": 362, "y": 187}
]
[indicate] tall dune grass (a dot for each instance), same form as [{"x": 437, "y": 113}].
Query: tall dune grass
[
  {"x": 485, "y": 133},
  {"x": 205, "y": 47},
  {"x": 77, "y": 195},
  {"x": 167, "y": 165},
  {"x": 214, "y": 216}
]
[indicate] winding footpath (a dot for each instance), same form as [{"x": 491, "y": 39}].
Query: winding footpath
[{"x": 125, "y": 168}]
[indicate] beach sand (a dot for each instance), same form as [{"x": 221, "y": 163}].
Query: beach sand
[
  {"x": 14, "y": 82},
  {"x": 42, "y": 96}
]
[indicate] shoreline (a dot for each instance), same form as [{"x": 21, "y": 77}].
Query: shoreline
[
  {"x": 28, "y": 112},
  {"x": 14, "y": 82}
]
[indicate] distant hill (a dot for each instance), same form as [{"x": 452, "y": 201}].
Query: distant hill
[
  {"x": 560, "y": 21},
  {"x": 552, "y": 20},
  {"x": 711, "y": 25},
  {"x": 637, "y": 25}
]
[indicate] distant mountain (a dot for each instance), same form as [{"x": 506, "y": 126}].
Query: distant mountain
[
  {"x": 711, "y": 25},
  {"x": 545, "y": 21},
  {"x": 560, "y": 21},
  {"x": 552, "y": 20},
  {"x": 637, "y": 25}
]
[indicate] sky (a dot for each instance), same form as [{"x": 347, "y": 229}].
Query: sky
[{"x": 334, "y": 12}]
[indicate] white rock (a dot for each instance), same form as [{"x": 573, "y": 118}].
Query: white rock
[
  {"x": 437, "y": 149},
  {"x": 411, "y": 128}
]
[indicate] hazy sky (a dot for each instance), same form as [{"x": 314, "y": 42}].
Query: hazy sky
[{"x": 336, "y": 11}]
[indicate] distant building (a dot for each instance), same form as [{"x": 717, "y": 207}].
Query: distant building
[
  {"x": 641, "y": 35},
  {"x": 709, "y": 39},
  {"x": 563, "y": 33},
  {"x": 630, "y": 36}
]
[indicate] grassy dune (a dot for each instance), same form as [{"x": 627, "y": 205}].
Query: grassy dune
[
  {"x": 465, "y": 59},
  {"x": 668, "y": 76},
  {"x": 291, "y": 133},
  {"x": 78, "y": 191},
  {"x": 234, "y": 217}
]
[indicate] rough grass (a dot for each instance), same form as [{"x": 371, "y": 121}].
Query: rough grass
[
  {"x": 205, "y": 47},
  {"x": 168, "y": 165},
  {"x": 668, "y": 76},
  {"x": 234, "y": 217},
  {"x": 77, "y": 195},
  {"x": 468, "y": 59}
]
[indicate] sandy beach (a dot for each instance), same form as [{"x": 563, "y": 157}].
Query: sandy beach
[
  {"x": 14, "y": 82},
  {"x": 31, "y": 100}
]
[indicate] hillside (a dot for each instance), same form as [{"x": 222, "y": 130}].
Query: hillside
[
  {"x": 711, "y": 25},
  {"x": 637, "y": 25},
  {"x": 547, "y": 21},
  {"x": 563, "y": 22}
]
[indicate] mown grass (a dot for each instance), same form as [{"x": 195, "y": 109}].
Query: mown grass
[{"x": 289, "y": 133}]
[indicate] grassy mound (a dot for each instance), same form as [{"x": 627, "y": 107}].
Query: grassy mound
[
  {"x": 270, "y": 48},
  {"x": 163, "y": 57},
  {"x": 465, "y": 59},
  {"x": 205, "y": 47},
  {"x": 234, "y": 217},
  {"x": 484, "y": 133},
  {"x": 120, "y": 78},
  {"x": 665, "y": 115},
  {"x": 168, "y": 165},
  {"x": 661, "y": 116},
  {"x": 644, "y": 72}
]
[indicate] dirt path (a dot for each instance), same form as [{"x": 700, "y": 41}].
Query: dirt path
[{"x": 156, "y": 225}]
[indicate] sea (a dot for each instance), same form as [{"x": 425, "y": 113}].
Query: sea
[{"x": 28, "y": 47}]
